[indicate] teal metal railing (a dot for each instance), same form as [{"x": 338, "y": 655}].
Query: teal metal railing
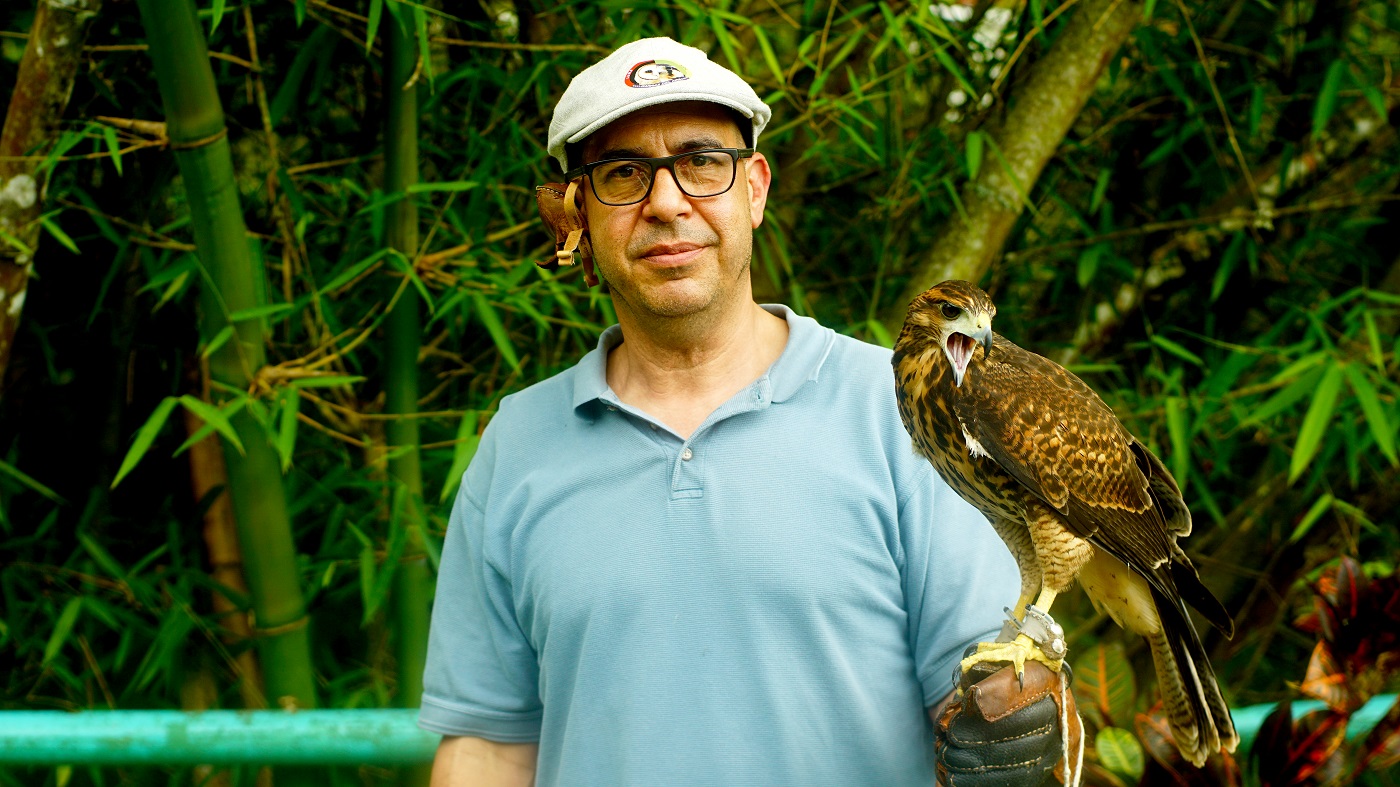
[{"x": 318, "y": 737}]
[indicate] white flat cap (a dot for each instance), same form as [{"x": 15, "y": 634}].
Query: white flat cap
[{"x": 642, "y": 74}]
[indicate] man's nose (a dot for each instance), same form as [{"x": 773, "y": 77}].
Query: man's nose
[{"x": 667, "y": 201}]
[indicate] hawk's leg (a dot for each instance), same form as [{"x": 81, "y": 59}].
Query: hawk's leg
[{"x": 1037, "y": 638}]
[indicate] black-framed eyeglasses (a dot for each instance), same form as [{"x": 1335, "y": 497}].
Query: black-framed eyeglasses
[{"x": 627, "y": 181}]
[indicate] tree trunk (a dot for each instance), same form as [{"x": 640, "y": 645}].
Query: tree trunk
[
  {"x": 404, "y": 328},
  {"x": 41, "y": 94},
  {"x": 199, "y": 137},
  {"x": 1040, "y": 114}
]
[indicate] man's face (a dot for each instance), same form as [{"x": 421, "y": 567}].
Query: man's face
[{"x": 672, "y": 255}]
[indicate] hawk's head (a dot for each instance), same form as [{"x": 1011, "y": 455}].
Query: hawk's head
[{"x": 958, "y": 316}]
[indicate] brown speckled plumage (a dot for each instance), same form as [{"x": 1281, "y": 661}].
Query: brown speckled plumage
[{"x": 1071, "y": 492}]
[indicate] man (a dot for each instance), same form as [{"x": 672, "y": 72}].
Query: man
[{"x": 705, "y": 555}]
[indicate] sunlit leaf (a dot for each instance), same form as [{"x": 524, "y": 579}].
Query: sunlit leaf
[
  {"x": 1315, "y": 423},
  {"x": 1376, "y": 419},
  {"x": 462, "y": 453},
  {"x": 1319, "y": 507},
  {"x": 214, "y": 417},
  {"x": 1177, "y": 350},
  {"x": 1327, "y": 97},
  {"x": 62, "y": 628},
  {"x": 1120, "y": 752},
  {"x": 144, "y": 437},
  {"x": 486, "y": 314},
  {"x": 1104, "y": 681}
]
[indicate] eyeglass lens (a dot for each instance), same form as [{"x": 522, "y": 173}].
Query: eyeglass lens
[{"x": 699, "y": 174}]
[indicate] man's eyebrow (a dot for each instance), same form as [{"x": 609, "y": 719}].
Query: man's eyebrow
[{"x": 695, "y": 143}]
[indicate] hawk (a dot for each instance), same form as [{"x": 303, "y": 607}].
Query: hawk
[{"x": 1071, "y": 492}]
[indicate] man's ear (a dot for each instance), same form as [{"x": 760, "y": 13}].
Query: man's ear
[{"x": 760, "y": 179}]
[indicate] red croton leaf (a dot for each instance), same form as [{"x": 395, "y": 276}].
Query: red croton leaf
[
  {"x": 1167, "y": 768},
  {"x": 1316, "y": 756},
  {"x": 1325, "y": 681}
]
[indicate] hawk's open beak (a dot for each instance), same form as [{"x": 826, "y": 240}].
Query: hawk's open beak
[{"x": 983, "y": 336}]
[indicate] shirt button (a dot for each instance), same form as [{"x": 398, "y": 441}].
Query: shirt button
[{"x": 686, "y": 454}]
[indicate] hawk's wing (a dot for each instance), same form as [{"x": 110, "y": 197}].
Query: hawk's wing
[{"x": 1051, "y": 432}]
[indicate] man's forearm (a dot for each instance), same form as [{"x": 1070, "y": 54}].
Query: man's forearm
[{"x": 475, "y": 762}]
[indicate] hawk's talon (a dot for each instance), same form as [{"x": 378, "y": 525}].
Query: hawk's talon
[{"x": 1016, "y": 652}]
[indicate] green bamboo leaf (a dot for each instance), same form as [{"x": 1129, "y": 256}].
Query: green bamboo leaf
[
  {"x": 1088, "y": 265},
  {"x": 15, "y": 473},
  {"x": 1228, "y": 261},
  {"x": 218, "y": 14},
  {"x": 368, "y": 569},
  {"x": 59, "y": 235},
  {"x": 1120, "y": 752},
  {"x": 1148, "y": 8},
  {"x": 453, "y": 185},
  {"x": 769, "y": 57},
  {"x": 145, "y": 436},
  {"x": 1256, "y": 108},
  {"x": 1100, "y": 189},
  {"x": 1315, "y": 422},
  {"x": 376, "y": 12},
  {"x": 974, "y": 153},
  {"x": 1375, "y": 414},
  {"x": 879, "y": 333},
  {"x": 1356, "y": 513},
  {"x": 62, "y": 628},
  {"x": 1319, "y": 507},
  {"x": 1312, "y": 360},
  {"x": 214, "y": 417},
  {"x": 1327, "y": 98},
  {"x": 1179, "y": 432},
  {"x": 258, "y": 312},
  {"x": 349, "y": 274},
  {"x": 109, "y": 135},
  {"x": 326, "y": 381},
  {"x": 287, "y": 426},
  {"x": 462, "y": 453},
  {"x": 1287, "y": 398},
  {"x": 425, "y": 54},
  {"x": 15, "y": 243},
  {"x": 300, "y": 6},
  {"x": 941, "y": 55},
  {"x": 1377, "y": 100},
  {"x": 220, "y": 339},
  {"x": 726, "y": 42},
  {"x": 102, "y": 557},
  {"x": 491, "y": 321},
  {"x": 1177, "y": 350},
  {"x": 1373, "y": 337}
]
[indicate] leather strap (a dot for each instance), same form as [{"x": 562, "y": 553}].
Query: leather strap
[{"x": 559, "y": 209}]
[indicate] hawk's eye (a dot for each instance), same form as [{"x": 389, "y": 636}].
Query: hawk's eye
[{"x": 950, "y": 311}]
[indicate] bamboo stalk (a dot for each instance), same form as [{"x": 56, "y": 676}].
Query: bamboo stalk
[
  {"x": 404, "y": 334},
  {"x": 198, "y": 135}
]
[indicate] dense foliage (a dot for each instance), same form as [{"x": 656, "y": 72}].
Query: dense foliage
[{"x": 1211, "y": 247}]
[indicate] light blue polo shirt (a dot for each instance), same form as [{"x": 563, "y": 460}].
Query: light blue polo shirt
[{"x": 771, "y": 602}]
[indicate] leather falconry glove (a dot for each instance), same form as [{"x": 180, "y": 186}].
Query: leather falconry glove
[
  {"x": 560, "y": 207},
  {"x": 999, "y": 732}
]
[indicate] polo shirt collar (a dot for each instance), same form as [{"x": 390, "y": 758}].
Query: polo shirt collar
[{"x": 807, "y": 348}]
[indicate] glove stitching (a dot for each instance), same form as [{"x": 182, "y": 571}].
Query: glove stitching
[
  {"x": 986, "y": 768},
  {"x": 961, "y": 742}
]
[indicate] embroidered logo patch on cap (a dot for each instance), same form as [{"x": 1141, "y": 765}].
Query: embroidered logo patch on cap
[{"x": 654, "y": 73}]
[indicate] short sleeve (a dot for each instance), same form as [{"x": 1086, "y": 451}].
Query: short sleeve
[
  {"x": 482, "y": 675},
  {"x": 958, "y": 577}
]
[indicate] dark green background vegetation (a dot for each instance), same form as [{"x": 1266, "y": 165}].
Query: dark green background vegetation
[{"x": 1212, "y": 246}]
